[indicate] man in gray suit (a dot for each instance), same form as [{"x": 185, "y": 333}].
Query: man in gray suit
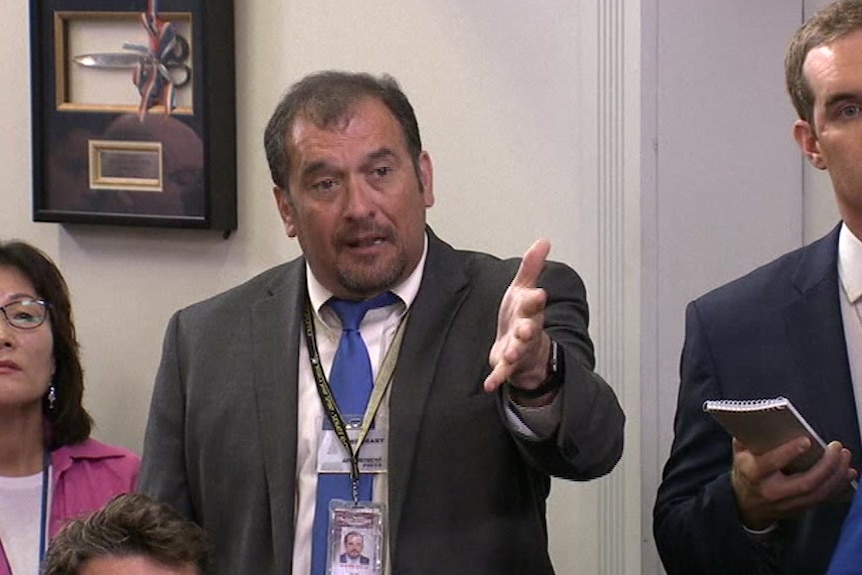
[{"x": 492, "y": 390}]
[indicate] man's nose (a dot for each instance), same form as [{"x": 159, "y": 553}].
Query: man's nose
[{"x": 359, "y": 201}]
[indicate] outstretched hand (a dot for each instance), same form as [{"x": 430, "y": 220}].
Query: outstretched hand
[{"x": 520, "y": 352}]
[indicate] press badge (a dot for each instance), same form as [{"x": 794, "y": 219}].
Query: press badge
[
  {"x": 356, "y": 536},
  {"x": 333, "y": 458}
]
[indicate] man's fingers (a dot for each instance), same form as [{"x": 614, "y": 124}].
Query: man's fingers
[
  {"x": 498, "y": 376},
  {"x": 532, "y": 303},
  {"x": 778, "y": 458},
  {"x": 532, "y": 264},
  {"x": 518, "y": 304}
]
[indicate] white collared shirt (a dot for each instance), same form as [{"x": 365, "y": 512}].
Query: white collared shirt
[
  {"x": 850, "y": 276},
  {"x": 377, "y": 329}
]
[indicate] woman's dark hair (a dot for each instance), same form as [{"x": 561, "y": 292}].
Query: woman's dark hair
[{"x": 69, "y": 421}]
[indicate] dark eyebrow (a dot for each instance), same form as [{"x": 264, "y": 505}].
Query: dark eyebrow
[
  {"x": 380, "y": 154},
  {"x": 316, "y": 167},
  {"x": 18, "y": 297},
  {"x": 325, "y": 166},
  {"x": 840, "y": 97}
]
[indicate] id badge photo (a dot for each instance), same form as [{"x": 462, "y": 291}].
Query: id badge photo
[{"x": 356, "y": 537}]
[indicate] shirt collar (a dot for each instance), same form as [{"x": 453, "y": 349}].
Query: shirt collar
[
  {"x": 406, "y": 290},
  {"x": 64, "y": 456},
  {"x": 850, "y": 263}
]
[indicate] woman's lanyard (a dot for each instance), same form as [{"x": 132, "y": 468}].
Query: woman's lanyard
[
  {"x": 43, "y": 516},
  {"x": 43, "y": 520},
  {"x": 381, "y": 384}
]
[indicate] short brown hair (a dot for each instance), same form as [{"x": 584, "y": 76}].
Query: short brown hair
[
  {"x": 827, "y": 25},
  {"x": 69, "y": 421},
  {"x": 326, "y": 98},
  {"x": 129, "y": 525}
]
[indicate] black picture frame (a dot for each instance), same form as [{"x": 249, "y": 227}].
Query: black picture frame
[{"x": 120, "y": 161}]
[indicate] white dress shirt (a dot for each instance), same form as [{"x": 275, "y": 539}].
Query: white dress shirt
[
  {"x": 850, "y": 274},
  {"x": 377, "y": 330}
]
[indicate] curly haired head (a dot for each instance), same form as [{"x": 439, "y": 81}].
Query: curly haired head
[{"x": 130, "y": 525}]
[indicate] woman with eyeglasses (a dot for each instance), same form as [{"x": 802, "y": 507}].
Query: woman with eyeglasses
[{"x": 51, "y": 471}]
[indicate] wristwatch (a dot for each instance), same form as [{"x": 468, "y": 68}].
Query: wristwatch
[{"x": 554, "y": 380}]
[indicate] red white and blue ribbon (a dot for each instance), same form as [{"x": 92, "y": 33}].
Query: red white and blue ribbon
[{"x": 152, "y": 76}]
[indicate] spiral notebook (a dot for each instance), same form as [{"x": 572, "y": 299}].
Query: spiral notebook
[{"x": 763, "y": 424}]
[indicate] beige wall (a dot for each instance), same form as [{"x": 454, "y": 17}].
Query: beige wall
[
  {"x": 533, "y": 115},
  {"x": 497, "y": 118},
  {"x": 506, "y": 95}
]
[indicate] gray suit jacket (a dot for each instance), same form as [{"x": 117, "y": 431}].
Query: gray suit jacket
[{"x": 466, "y": 495}]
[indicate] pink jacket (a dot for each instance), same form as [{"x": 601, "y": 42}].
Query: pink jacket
[{"x": 84, "y": 477}]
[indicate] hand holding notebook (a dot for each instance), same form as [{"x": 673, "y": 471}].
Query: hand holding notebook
[{"x": 764, "y": 424}]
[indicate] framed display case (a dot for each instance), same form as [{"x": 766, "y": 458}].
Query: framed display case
[{"x": 134, "y": 117}]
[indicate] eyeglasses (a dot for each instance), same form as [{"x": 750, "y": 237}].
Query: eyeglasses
[{"x": 26, "y": 313}]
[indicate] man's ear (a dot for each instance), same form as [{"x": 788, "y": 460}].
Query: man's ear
[
  {"x": 803, "y": 133},
  {"x": 426, "y": 178},
  {"x": 285, "y": 210}
]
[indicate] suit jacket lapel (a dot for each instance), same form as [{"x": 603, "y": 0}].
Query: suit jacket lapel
[
  {"x": 275, "y": 340},
  {"x": 443, "y": 289},
  {"x": 816, "y": 331}
]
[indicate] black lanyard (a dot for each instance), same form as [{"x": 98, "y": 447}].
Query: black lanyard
[{"x": 328, "y": 400}]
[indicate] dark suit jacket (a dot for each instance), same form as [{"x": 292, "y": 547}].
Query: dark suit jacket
[
  {"x": 363, "y": 560},
  {"x": 465, "y": 494},
  {"x": 776, "y": 331}
]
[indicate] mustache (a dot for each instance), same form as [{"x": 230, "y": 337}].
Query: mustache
[{"x": 363, "y": 229}]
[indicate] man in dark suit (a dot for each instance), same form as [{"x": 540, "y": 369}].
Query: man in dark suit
[
  {"x": 790, "y": 328},
  {"x": 492, "y": 393}
]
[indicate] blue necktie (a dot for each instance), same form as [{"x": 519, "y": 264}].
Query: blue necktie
[{"x": 351, "y": 382}]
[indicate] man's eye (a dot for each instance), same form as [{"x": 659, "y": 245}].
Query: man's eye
[
  {"x": 850, "y": 111},
  {"x": 326, "y": 185},
  {"x": 381, "y": 172}
]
